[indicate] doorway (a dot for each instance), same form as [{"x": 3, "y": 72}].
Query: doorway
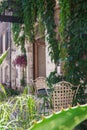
[{"x": 39, "y": 59}]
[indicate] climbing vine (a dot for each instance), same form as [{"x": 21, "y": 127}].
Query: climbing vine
[
  {"x": 19, "y": 38},
  {"x": 32, "y": 11},
  {"x": 73, "y": 30},
  {"x": 64, "y": 17},
  {"x": 44, "y": 10},
  {"x": 49, "y": 18}
]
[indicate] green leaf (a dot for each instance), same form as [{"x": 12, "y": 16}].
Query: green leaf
[
  {"x": 64, "y": 120},
  {"x": 3, "y": 56}
]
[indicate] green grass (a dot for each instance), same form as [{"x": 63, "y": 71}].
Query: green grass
[{"x": 17, "y": 113}]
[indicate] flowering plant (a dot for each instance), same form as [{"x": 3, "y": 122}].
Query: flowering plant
[{"x": 20, "y": 60}]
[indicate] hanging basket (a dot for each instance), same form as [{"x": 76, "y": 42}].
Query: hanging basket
[{"x": 20, "y": 60}]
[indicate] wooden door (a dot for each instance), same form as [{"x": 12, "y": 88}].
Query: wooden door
[{"x": 39, "y": 60}]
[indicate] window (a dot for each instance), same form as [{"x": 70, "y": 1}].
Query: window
[
  {"x": 3, "y": 41},
  {"x": 6, "y": 41},
  {"x": 1, "y": 45}
]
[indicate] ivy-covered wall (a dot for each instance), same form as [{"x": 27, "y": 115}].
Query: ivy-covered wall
[
  {"x": 73, "y": 30},
  {"x": 71, "y": 46}
]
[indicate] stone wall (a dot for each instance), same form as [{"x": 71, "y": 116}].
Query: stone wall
[
  {"x": 29, "y": 53},
  {"x": 4, "y": 28}
]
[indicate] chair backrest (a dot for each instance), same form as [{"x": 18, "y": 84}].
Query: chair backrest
[
  {"x": 40, "y": 83},
  {"x": 62, "y": 95}
]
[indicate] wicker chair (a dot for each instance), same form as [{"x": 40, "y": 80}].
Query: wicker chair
[
  {"x": 40, "y": 84},
  {"x": 42, "y": 93},
  {"x": 62, "y": 95}
]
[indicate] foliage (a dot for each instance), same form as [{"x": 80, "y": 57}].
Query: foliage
[
  {"x": 48, "y": 19},
  {"x": 3, "y": 6},
  {"x": 7, "y": 92},
  {"x": 63, "y": 120},
  {"x": 82, "y": 126},
  {"x": 19, "y": 38},
  {"x": 45, "y": 10},
  {"x": 11, "y": 92},
  {"x": 3, "y": 56},
  {"x": 2, "y": 92},
  {"x": 73, "y": 30},
  {"x": 32, "y": 11},
  {"x": 29, "y": 11},
  {"x": 53, "y": 78},
  {"x": 2, "y": 89},
  {"x": 17, "y": 112},
  {"x": 23, "y": 81}
]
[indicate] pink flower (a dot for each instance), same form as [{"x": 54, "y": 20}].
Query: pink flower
[{"x": 20, "y": 61}]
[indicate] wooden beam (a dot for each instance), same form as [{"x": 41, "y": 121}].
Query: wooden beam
[{"x": 12, "y": 19}]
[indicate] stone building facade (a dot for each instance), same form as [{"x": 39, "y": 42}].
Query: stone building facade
[
  {"x": 39, "y": 61},
  {"x": 9, "y": 74},
  {"x": 4, "y": 45}
]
